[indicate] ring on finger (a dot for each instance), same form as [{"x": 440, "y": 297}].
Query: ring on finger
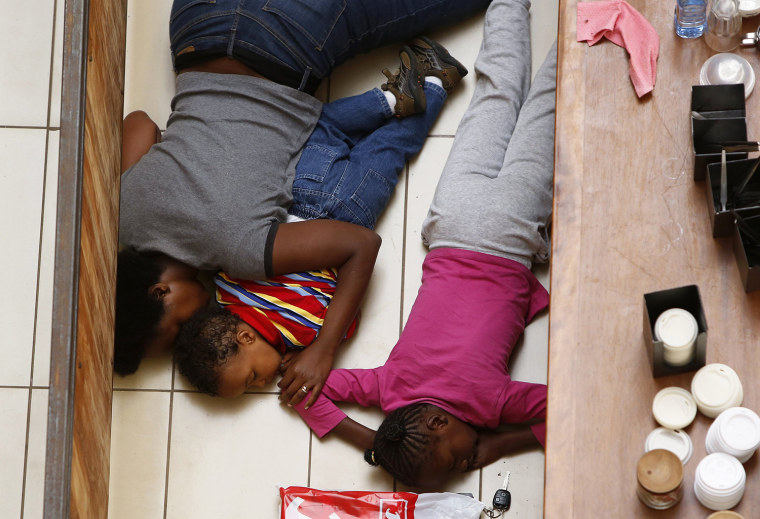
[{"x": 304, "y": 389}]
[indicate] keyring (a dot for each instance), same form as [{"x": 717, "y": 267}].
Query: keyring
[{"x": 304, "y": 389}]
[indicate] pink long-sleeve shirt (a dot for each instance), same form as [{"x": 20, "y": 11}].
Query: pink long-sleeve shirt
[{"x": 453, "y": 352}]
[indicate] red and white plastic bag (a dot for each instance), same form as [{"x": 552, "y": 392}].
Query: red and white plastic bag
[{"x": 310, "y": 503}]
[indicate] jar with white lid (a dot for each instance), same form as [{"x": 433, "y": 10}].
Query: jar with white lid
[
  {"x": 719, "y": 481},
  {"x": 736, "y": 431},
  {"x": 715, "y": 388}
]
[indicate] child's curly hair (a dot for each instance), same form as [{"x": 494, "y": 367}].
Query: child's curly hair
[
  {"x": 204, "y": 344},
  {"x": 401, "y": 444}
]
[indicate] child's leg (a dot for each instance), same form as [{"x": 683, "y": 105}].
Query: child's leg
[
  {"x": 357, "y": 188},
  {"x": 345, "y": 121},
  {"x": 495, "y": 191}
]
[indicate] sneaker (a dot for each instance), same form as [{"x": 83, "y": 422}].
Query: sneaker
[
  {"x": 406, "y": 84},
  {"x": 436, "y": 61}
]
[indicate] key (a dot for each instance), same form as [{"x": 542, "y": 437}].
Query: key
[{"x": 502, "y": 499}]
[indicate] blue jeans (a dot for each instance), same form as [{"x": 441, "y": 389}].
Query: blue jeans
[
  {"x": 298, "y": 42},
  {"x": 350, "y": 165}
]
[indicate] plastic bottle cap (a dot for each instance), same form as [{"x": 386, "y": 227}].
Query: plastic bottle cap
[
  {"x": 674, "y": 408},
  {"x": 727, "y": 68},
  {"x": 715, "y": 388},
  {"x": 676, "y": 441},
  {"x": 749, "y": 7}
]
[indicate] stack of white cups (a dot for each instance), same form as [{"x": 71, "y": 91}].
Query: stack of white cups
[
  {"x": 736, "y": 431},
  {"x": 719, "y": 481},
  {"x": 715, "y": 388},
  {"x": 678, "y": 330}
]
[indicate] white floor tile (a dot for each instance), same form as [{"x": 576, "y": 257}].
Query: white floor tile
[
  {"x": 21, "y": 178},
  {"x": 336, "y": 465},
  {"x": 526, "y": 483},
  {"x": 14, "y": 403},
  {"x": 139, "y": 440},
  {"x": 154, "y": 373},
  {"x": 57, "y": 77},
  {"x": 34, "y": 493},
  {"x": 149, "y": 77},
  {"x": 544, "y": 16},
  {"x": 228, "y": 457},
  {"x": 41, "y": 373},
  {"x": 424, "y": 172},
  {"x": 26, "y": 37}
]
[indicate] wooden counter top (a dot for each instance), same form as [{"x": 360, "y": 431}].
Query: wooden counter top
[{"x": 629, "y": 219}]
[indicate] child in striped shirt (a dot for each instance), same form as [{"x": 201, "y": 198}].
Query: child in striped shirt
[{"x": 347, "y": 172}]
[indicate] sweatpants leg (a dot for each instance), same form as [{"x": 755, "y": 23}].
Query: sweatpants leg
[{"x": 495, "y": 192}]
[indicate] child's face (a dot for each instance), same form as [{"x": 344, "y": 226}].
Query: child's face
[
  {"x": 455, "y": 450},
  {"x": 256, "y": 364}
]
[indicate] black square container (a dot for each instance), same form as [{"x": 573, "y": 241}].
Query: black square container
[
  {"x": 748, "y": 263},
  {"x": 655, "y": 303},
  {"x": 736, "y": 171},
  {"x": 720, "y": 117}
]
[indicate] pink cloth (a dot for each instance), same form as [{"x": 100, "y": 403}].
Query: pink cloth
[
  {"x": 623, "y": 25},
  {"x": 453, "y": 352}
]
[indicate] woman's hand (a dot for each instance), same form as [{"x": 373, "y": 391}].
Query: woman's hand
[
  {"x": 317, "y": 244},
  {"x": 307, "y": 369}
]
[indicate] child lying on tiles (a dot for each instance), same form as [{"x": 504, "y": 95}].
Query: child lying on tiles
[
  {"x": 445, "y": 386},
  {"x": 347, "y": 172}
]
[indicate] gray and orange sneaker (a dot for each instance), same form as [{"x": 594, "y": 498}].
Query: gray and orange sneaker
[
  {"x": 436, "y": 61},
  {"x": 407, "y": 84}
]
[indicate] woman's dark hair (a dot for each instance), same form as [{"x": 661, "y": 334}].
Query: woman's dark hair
[
  {"x": 137, "y": 312},
  {"x": 402, "y": 444},
  {"x": 205, "y": 343}
]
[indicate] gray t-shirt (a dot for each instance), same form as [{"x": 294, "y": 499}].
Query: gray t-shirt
[{"x": 211, "y": 193}]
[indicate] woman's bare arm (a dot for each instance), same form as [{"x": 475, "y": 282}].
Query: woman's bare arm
[
  {"x": 316, "y": 244},
  {"x": 139, "y": 133}
]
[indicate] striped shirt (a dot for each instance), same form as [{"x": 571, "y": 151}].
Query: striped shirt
[{"x": 287, "y": 311}]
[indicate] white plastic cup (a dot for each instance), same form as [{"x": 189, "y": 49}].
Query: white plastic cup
[
  {"x": 715, "y": 388},
  {"x": 736, "y": 431},
  {"x": 678, "y": 330},
  {"x": 719, "y": 481}
]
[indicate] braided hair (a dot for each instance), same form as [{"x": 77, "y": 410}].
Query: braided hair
[
  {"x": 402, "y": 444},
  {"x": 204, "y": 344}
]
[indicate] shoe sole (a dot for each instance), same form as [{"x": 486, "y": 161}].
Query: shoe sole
[{"x": 409, "y": 59}]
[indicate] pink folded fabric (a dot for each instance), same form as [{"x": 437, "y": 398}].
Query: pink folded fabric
[{"x": 623, "y": 25}]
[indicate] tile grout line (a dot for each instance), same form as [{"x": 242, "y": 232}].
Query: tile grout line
[
  {"x": 169, "y": 443},
  {"x": 39, "y": 259}
]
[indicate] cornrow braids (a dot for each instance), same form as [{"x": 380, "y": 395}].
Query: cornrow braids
[
  {"x": 401, "y": 444},
  {"x": 204, "y": 344}
]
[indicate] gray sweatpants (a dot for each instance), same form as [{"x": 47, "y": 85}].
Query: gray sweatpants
[{"x": 495, "y": 192}]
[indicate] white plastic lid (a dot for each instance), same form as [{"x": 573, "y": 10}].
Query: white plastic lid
[
  {"x": 740, "y": 428},
  {"x": 720, "y": 474},
  {"x": 676, "y": 328},
  {"x": 727, "y": 68},
  {"x": 749, "y": 8},
  {"x": 715, "y": 388},
  {"x": 676, "y": 441},
  {"x": 674, "y": 408}
]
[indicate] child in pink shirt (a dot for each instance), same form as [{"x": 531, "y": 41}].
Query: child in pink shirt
[{"x": 445, "y": 386}]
